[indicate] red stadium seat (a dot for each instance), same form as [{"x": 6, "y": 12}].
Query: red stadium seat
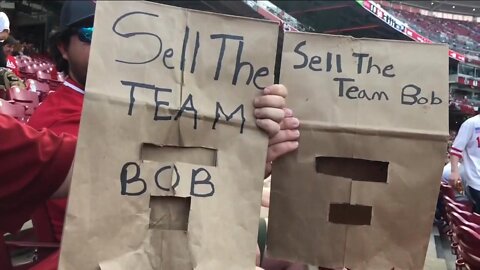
[
  {"x": 42, "y": 89},
  {"x": 43, "y": 76},
  {"x": 27, "y": 98},
  {"x": 469, "y": 247},
  {"x": 28, "y": 72},
  {"x": 47, "y": 249},
  {"x": 16, "y": 111}
]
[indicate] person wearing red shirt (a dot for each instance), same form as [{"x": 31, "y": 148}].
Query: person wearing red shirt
[
  {"x": 10, "y": 43},
  {"x": 61, "y": 111},
  {"x": 33, "y": 166}
]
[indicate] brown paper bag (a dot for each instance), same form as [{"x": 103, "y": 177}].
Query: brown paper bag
[
  {"x": 361, "y": 190},
  {"x": 169, "y": 166}
]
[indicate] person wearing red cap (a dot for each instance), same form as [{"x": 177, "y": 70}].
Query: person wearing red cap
[{"x": 61, "y": 111}]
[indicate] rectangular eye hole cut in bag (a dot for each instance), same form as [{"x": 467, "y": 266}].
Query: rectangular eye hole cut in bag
[
  {"x": 353, "y": 168},
  {"x": 186, "y": 154}
]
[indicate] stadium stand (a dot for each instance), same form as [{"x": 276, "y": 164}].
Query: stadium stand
[{"x": 461, "y": 36}]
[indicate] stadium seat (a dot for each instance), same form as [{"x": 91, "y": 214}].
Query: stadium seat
[
  {"x": 468, "y": 248},
  {"x": 44, "y": 243},
  {"x": 27, "y": 98},
  {"x": 28, "y": 72},
  {"x": 36, "y": 86},
  {"x": 43, "y": 76},
  {"x": 16, "y": 111}
]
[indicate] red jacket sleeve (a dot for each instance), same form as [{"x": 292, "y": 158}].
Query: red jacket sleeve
[{"x": 33, "y": 165}]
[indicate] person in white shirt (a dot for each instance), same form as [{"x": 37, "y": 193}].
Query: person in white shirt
[
  {"x": 467, "y": 147},
  {"x": 4, "y": 33}
]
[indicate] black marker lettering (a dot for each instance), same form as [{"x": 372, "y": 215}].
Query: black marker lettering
[
  {"x": 177, "y": 179},
  {"x": 363, "y": 95},
  {"x": 351, "y": 90},
  {"x": 132, "y": 90},
  {"x": 195, "y": 52},
  {"x": 305, "y": 57},
  {"x": 159, "y": 103},
  {"x": 188, "y": 106},
  {"x": 339, "y": 63},
  {"x": 329, "y": 62},
  {"x": 168, "y": 54},
  {"x": 435, "y": 100},
  {"x": 261, "y": 72},
  {"x": 413, "y": 97},
  {"x": 239, "y": 64},
  {"x": 132, "y": 34},
  {"x": 360, "y": 57},
  {"x": 224, "y": 38},
  {"x": 219, "y": 111},
  {"x": 379, "y": 95},
  {"x": 205, "y": 181},
  {"x": 370, "y": 65},
  {"x": 385, "y": 71},
  {"x": 184, "y": 47},
  {"x": 314, "y": 61},
  {"x": 340, "y": 84},
  {"x": 125, "y": 181}
]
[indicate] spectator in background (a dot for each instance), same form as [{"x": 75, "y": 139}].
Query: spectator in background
[
  {"x": 4, "y": 33},
  {"x": 467, "y": 147},
  {"x": 18, "y": 50},
  {"x": 8, "y": 48}
]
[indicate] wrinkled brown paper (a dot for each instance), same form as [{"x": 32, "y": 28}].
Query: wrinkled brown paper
[
  {"x": 156, "y": 186},
  {"x": 318, "y": 214}
]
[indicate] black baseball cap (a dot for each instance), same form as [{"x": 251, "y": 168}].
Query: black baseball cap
[{"x": 75, "y": 11}]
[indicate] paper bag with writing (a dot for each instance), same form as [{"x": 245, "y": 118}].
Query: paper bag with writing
[
  {"x": 169, "y": 165},
  {"x": 361, "y": 190}
]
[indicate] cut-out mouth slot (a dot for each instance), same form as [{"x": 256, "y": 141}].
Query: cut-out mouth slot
[
  {"x": 169, "y": 213},
  {"x": 344, "y": 213},
  {"x": 352, "y": 168},
  {"x": 168, "y": 153}
]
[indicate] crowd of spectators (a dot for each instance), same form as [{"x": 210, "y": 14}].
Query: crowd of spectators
[{"x": 461, "y": 36}]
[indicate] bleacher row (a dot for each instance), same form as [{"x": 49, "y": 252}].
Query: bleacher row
[
  {"x": 461, "y": 36},
  {"x": 40, "y": 78},
  {"x": 462, "y": 227}
]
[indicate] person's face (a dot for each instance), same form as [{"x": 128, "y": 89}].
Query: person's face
[
  {"x": 77, "y": 53},
  {"x": 7, "y": 49}
]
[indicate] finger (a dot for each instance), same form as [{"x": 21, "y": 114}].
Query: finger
[
  {"x": 288, "y": 112},
  {"x": 284, "y": 135},
  {"x": 290, "y": 123},
  {"x": 275, "y": 114},
  {"x": 269, "y": 126},
  {"x": 276, "y": 89},
  {"x": 268, "y": 169},
  {"x": 269, "y": 101},
  {"x": 279, "y": 149},
  {"x": 266, "y": 197}
]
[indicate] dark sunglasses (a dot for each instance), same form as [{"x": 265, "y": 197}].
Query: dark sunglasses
[{"x": 85, "y": 34}]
